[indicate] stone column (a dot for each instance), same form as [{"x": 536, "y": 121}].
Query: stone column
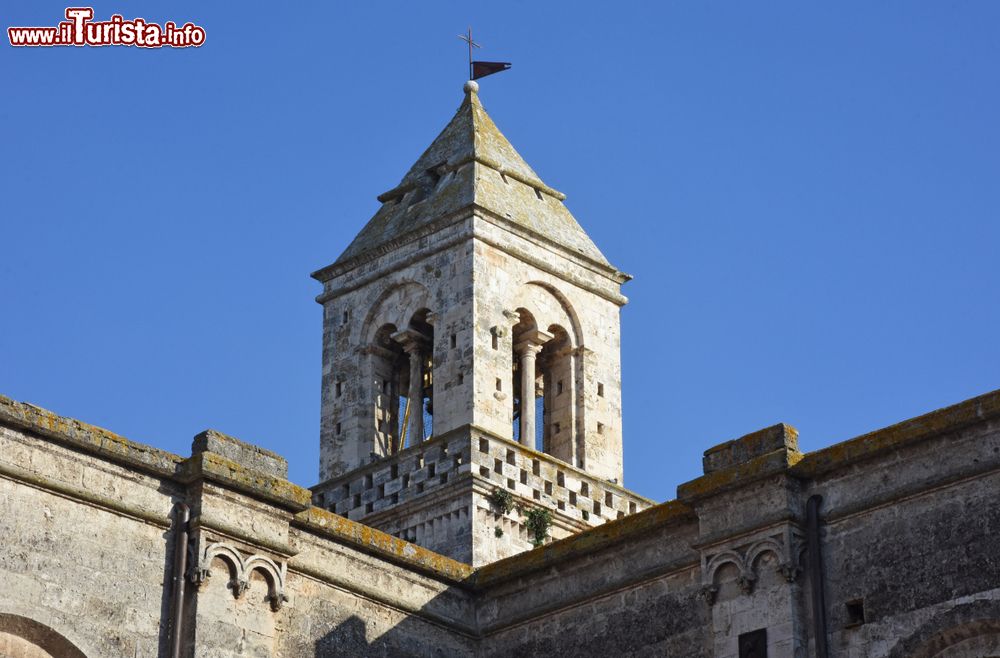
[
  {"x": 527, "y": 350},
  {"x": 415, "y": 345}
]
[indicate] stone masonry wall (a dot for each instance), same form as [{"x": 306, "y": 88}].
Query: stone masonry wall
[
  {"x": 908, "y": 536},
  {"x": 427, "y": 493}
]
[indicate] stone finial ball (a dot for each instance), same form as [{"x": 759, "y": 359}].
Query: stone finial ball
[{"x": 471, "y": 87}]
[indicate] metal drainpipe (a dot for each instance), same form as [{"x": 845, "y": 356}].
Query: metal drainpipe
[
  {"x": 816, "y": 576},
  {"x": 183, "y": 514}
]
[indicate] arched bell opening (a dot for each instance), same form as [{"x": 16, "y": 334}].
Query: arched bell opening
[
  {"x": 415, "y": 396},
  {"x": 528, "y": 381},
  {"x": 389, "y": 369},
  {"x": 556, "y": 402}
]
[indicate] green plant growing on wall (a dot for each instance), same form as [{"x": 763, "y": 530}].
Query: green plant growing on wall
[
  {"x": 502, "y": 501},
  {"x": 538, "y": 520},
  {"x": 497, "y": 531}
]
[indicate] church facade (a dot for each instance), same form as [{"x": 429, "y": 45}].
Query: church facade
[{"x": 471, "y": 498}]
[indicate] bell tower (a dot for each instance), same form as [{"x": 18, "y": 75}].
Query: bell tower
[{"x": 471, "y": 345}]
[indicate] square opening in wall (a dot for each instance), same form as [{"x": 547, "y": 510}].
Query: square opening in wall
[
  {"x": 753, "y": 644},
  {"x": 600, "y": 389},
  {"x": 855, "y": 612},
  {"x": 454, "y": 341}
]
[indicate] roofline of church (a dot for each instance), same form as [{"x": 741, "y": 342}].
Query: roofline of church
[{"x": 83, "y": 437}]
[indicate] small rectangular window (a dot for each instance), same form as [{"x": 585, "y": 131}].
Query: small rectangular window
[
  {"x": 600, "y": 428},
  {"x": 454, "y": 341},
  {"x": 339, "y": 388},
  {"x": 753, "y": 644},
  {"x": 338, "y": 428},
  {"x": 461, "y": 379},
  {"x": 499, "y": 384},
  {"x": 855, "y": 612},
  {"x": 600, "y": 389},
  {"x": 347, "y": 316},
  {"x": 559, "y": 387}
]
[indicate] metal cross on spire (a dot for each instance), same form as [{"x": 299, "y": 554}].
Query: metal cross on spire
[
  {"x": 472, "y": 44},
  {"x": 480, "y": 69}
]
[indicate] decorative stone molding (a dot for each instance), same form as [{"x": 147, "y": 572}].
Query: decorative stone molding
[
  {"x": 709, "y": 593},
  {"x": 784, "y": 545},
  {"x": 746, "y": 582},
  {"x": 240, "y": 569}
]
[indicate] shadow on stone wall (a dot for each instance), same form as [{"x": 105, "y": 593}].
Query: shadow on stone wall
[{"x": 408, "y": 639}]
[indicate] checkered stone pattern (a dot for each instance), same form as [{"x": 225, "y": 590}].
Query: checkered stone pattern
[
  {"x": 396, "y": 480},
  {"x": 548, "y": 482}
]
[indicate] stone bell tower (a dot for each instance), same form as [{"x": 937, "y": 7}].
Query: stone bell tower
[{"x": 470, "y": 346}]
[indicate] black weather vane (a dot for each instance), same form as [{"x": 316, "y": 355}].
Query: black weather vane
[{"x": 480, "y": 69}]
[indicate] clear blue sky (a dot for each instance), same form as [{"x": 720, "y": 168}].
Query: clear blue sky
[{"x": 806, "y": 193}]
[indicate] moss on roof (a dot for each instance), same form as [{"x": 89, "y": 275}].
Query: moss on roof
[{"x": 469, "y": 164}]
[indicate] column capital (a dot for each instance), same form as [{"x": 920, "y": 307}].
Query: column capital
[
  {"x": 531, "y": 342},
  {"x": 412, "y": 341}
]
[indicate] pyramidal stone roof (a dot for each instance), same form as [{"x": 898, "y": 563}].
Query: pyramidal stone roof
[{"x": 471, "y": 164}]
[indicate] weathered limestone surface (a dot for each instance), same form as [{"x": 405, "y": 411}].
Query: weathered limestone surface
[{"x": 908, "y": 538}]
